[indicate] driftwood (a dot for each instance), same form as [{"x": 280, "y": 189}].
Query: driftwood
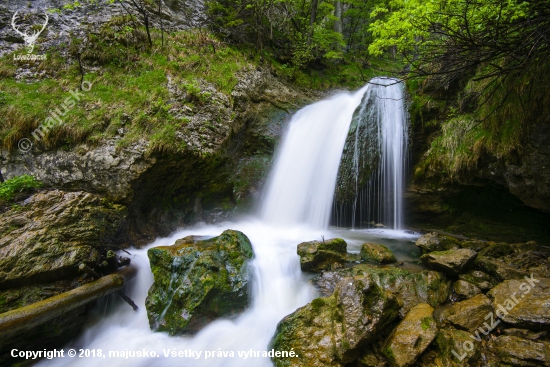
[
  {"x": 27, "y": 317},
  {"x": 85, "y": 268}
]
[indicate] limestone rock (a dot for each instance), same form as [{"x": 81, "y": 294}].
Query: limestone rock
[
  {"x": 316, "y": 256},
  {"x": 436, "y": 242},
  {"x": 52, "y": 233},
  {"x": 465, "y": 290},
  {"x": 452, "y": 262},
  {"x": 521, "y": 352},
  {"x": 411, "y": 337},
  {"x": 197, "y": 281},
  {"x": 332, "y": 331},
  {"x": 411, "y": 288},
  {"x": 469, "y": 314},
  {"x": 523, "y": 303},
  {"x": 479, "y": 279},
  {"x": 377, "y": 253}
]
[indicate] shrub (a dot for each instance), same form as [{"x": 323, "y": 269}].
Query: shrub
[{"x": 11, "y": 188}]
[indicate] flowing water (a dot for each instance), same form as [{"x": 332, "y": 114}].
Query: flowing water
[
  {"x": 296, "y": 208},
  {"x": 382, "y": 119}
]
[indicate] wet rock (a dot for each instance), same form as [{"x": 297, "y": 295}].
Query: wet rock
[
  {"x": 411, "y": 288},
  {"x": 456, "y": 348},
  {"x": 197, "y": 281},
  {"x": 465, "y": 290},
  {"x": 332, "y": 331},
  {"x": 525, "y": 333},
  {"x": 452, "y": 262},
  {"x": 369, "y": 358},
  {"x": 377, "y": 253},
  {"x": 316, "y": 256},
  {"x": 436, "y": 242},
  {"x": 479, "y": 279},
  {"x": 523, "y": 303},
  {"x": 514, "y": 261},
  {"x": 47, "y": 237},
  {"x": 469, "y": 314},
  {"x": 521, "y": 352},
  {"x": 411, "y": 337}
]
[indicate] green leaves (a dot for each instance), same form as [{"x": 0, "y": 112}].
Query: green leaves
[{"x": 11, "y": 188}]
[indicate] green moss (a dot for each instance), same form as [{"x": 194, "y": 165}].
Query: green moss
[
  {"x": 426, "y": 322},
  {"x": 9, "y": 189}
]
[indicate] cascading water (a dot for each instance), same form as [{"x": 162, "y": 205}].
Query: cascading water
[
  {"x": 301, "y": 184},
  {"x": 374, "y": 163},
  {"x": 299, "y": 194}
]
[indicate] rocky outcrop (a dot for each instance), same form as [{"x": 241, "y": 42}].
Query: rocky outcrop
[
  {"x": 52, "y": 233},
  {"x": 316, "y": 256},
  {"x": 377, "y": 253},
  {"x": 410, "y": 288},
  {"x": 197, "y": 281},
  {"x": 331, "y": 331},
  {"x": 521, "y": 352},
  {"x": 452, "y": 262},
  {"x": 411, "y": 337}
]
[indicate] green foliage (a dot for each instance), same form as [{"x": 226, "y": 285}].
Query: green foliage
[{"x": 11, "y": 188}]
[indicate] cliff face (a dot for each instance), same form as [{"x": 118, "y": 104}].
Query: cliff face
[{"x": 461, "y": 183}]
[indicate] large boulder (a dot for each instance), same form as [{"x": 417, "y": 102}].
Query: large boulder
[
  {"x": 523, "y": 303},
  {"x": 469, "y": 314},
  {"x": 332, "y": 331},
  {"x": 377, "y": 253},
  {"x": 436, "y": 242},
  {"x": 452, "y": 262},
  {"x": 197, "y": 281},
  {"x": 411, "y": 288},
  {"x": 411, "y": 337},
  {"x": 316, "y": 256},
  {"x": 47, "y": 237},
  {"x": 456, "y": 348}
]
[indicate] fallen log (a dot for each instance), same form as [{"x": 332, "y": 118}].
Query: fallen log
[{"x": 30, "y": 316}]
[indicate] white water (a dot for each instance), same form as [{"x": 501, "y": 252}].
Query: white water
[{"x": 300, "y": 190}]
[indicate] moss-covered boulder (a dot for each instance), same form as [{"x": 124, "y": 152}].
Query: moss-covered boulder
[
  {"x": 469, "y": 314},
  {"x": 52, "y": 233},
  {"x": 480, "y": 279},
  {"x": 411, "y": 337},
  {"x": 316, "y": 256},
  {"x": 452, "y": 262},
  {"x": 377, "y": 253},
  {"x": 456, "y": 348},
  {"x": 436, "y": 242},
  {"x": 197, "y": 281},
  {"x": 411, "y": 288},
  {"x": 465, "y": 290},
  {"x": 332, "y": 331},
  {"x": 523, "y": 303}
]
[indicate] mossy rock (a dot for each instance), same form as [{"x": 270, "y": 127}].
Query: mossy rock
[
  {"x": 456, "y": 348},
  {"x": 436, "y": 242},
  {"x": 464, "y": 289},
  {"x": 411, "y": 337},
  {"x": 411, "y": 288},
  {"x": 197, "y": 281},
  {"x": 316, "y": 256},
  {"x": 452, "y": 262},
  {"x": 332, "y": 331},
  {"x": 469, "y": 314},
  {"x": 480, "y": 279},
  {"x": 377, "y": 253}
]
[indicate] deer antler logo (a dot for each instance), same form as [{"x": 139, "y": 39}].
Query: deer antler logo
[{"x": 30, "y": 40}]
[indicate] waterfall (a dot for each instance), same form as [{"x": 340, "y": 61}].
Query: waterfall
[
  {"x": 301, "y": 184},
  {"x": 374, "y": 162},
  {"x": 300, "y": 190}
]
